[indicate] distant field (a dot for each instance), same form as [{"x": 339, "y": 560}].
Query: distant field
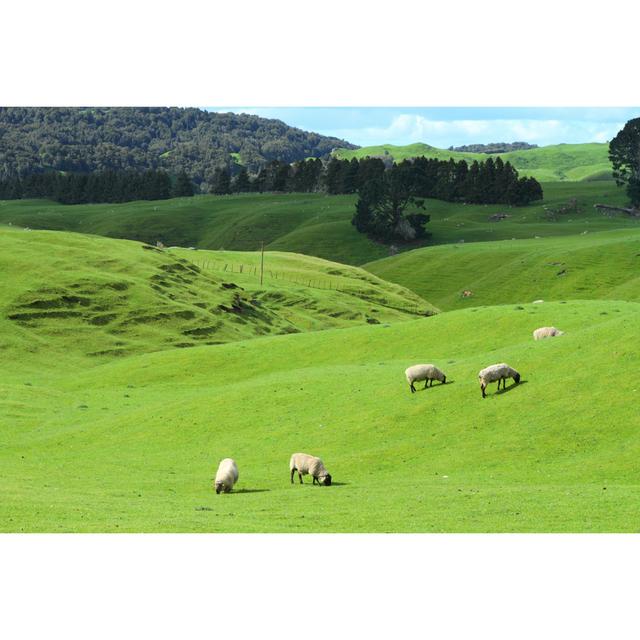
[
  {"x": 313, "y": 224},
  {"x": 561, "y": 162},
  {"x": 597, "y": 265}
]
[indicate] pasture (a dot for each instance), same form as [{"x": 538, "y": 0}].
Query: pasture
[
  {"x": 559, "y": 162},
  {"x": 132, "y": 443},
  {"x": 316, "y": 224},
  {"x": 128, "y": 372}
]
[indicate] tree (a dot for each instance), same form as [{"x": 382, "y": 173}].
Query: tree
[
  {"x": 241, "y": 183},
  {"x": 183, "y": 186},
  {"x": 221, "y": 181},
  {"x": 624, "y": 153},
  {"x": 380, "y": 209}
]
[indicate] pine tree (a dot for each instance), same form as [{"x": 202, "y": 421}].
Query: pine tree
[
  {"x": 183, "y": 186},
  {"x": 221, "y": 181},
  {"x": 241, "y": 183}
]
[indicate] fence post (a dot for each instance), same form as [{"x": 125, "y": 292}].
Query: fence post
[{"x": 261, "y": 262}]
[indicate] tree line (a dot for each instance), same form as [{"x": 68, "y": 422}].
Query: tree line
[
  {"x": 488, "y": 182},
  {"x": 100, "y": 186}
]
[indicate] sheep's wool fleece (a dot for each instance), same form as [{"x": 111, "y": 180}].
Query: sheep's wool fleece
[
  {"x": 546, "y": 332},
  {"x": 307, "y": 464},
  {"x": 495, "y": 372},
  {"x": 423, "y": 372},
  {"x": 227, "y": 472}
]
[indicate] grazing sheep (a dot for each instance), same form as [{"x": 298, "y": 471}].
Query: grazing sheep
[
  {"x": 546, "y": 332},
  {"x": 426, "y": 372},
  {"x": 305, "y": 464},
  {"x": 226, "y": 476},
  {"x": 499, "y": 372}
]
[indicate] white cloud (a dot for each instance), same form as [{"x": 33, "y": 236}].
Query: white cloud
[{"x": 408, "y": 128}]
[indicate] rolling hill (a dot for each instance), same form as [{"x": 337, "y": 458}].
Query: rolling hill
[
  {"x": 573, "y": 162},
  {"x": 313, "y": 224},
  {"x": 36, "y": 139},
  {"x": 132, "y": 443},
  {"x": 603, "y": 265},
  {"x": 104, "y": 298}
]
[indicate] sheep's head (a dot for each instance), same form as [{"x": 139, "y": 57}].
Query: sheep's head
[
  {"x": 219, "y": 487},
  {"x": 326, "y": 480},
  {"x": 516, "y": 377},
  {"x": 444, "y": 379}
]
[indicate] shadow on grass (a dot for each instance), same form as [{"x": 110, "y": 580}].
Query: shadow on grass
[
  {"x": 251, "y": 490},
  {"x": 436, "y": 385},
  {"x": 510, "y": 388}
]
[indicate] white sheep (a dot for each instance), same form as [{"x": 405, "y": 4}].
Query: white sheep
[
  {"x": 546, "y": 332},
  {"x": 499, "y": 372},
  {"x": 226, "y": 476},
  {"x": 426, "y": 372},
  {"x": 305, "y": 464}
]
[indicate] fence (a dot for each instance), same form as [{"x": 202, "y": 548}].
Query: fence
[{"x": 302, "y": 281}]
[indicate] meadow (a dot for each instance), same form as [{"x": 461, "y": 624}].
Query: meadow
[
  {"x": 559, "y": 162},
  {"x": 604, "y": 265},
  {"x": 132, "y": 444},
  {"x": 128, "y": 371},
  {"x": 315, "y": 224}
]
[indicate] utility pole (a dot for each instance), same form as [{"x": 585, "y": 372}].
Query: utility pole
[{"x": 261, "y": 262}]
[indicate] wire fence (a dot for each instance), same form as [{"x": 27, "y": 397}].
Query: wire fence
[{"x": 302, "y": 280}]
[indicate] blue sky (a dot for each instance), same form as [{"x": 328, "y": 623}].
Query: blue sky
[{"x": 446, "y": 126}]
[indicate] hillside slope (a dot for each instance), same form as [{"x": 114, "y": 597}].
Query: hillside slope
[
  {"x": 132, "y": 444},
  {"x": 596, "y": 265},
  {"x": 573, "y": 162},
  {"x": 93, "y": 296},
  {"x": 33, "y": 139},
  {"x": 313, "y": 224}
]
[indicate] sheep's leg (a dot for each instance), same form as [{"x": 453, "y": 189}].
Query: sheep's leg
[
  {"x": 413, "y": 389},
  {"x": 314, "y": 480},
  {"x": 482, "y": 388},
  {"x": 300, "y": 476},
  {"x": 292, "y": 472},
  {"x": 426, "y": 383}
]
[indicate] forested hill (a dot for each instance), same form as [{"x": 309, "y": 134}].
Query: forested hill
[{"x": 36, "y": 139}]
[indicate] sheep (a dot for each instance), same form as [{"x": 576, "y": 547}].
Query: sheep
[
  {"x": 426, "y": 372},
  {"x": 305, "y": 464},
  {"x": 546, "y": 332},
  {"x": 226, "y": 476},
  {"x": 499, "y": 372}
]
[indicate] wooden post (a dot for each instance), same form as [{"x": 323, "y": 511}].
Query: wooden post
[{"x": 261, "y": 262}]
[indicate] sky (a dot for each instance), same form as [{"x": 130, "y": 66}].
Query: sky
[{"x": 453, "y": 126}]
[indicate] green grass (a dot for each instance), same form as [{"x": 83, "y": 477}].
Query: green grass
[
  {"x": 107, "y": 423},
  {"x": 112, "y": 298},
  {"x": 312, "y": 224},
  {"x": 597, "y": 265},
  {"x": 132, "y": 444},
  {"x": 561, "y": 162}
]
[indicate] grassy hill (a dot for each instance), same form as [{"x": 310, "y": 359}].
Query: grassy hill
[
  {"x": 104, "y": 298},
  {"x": 573, "y": 162},
  {"x": 596, "y": 265},
  {"x": 131, "y": 444},
  {"x": 312, "y": 224}
]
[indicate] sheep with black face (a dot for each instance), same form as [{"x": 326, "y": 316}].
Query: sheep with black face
[
  {"x": 426, "y": 372},
  {"x": 497, "y": 372},
  {"x": 305, "y": 464},
  {"x": 226, "y": 476}
]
